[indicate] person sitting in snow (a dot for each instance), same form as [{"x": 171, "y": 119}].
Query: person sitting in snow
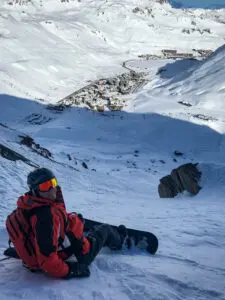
[{"x": 45, "y": 235}]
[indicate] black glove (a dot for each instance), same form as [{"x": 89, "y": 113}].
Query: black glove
[
  {"x": 77, "y": 270},
  {"x": 80, "y": 216},
  {"x": 11, "y": 252}
]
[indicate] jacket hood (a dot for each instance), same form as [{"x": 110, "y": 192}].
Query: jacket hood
[{"x": 28, "y": 201}]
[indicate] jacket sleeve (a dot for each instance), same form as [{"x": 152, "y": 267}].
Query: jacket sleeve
[
  {"x": 46, "y": 228},
  {"x": 76, "y": 228}
]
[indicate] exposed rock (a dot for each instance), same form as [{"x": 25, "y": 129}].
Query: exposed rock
[
  {"x": 185, "y": 177},
  {"x": 201, "y": 31},
  {"x": 185, "y": 103},
  {"x": 3, "y": 125},
  {"x": 176, "y": 179},
  {"x": 167, "y": 187},
  {"x": 26, "y": 140},
  {"x": 204, "y": 118},
  {"x": 178, "y": 153},
  {"x": 37, "y": 119},
  {"x": 18, "y": 2},
  {"x": 146, "y": 11},
  {"x": 84, "y": 165},
  {"x": 14, "y": 156},
  {"x": 30, "y": 143},
  {"x": 162, "y": 1},
  {"x": 189, "y": 176},
  {"x": 57, "y": 108}
]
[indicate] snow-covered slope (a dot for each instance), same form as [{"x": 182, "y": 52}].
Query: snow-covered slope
[
  {"x": 93, "y": 38},
  {"x": 48, "y": 50},
  {"x": 126, "y": 154},
  {"x": 198, "y": 85},
  {"x": 206, "y": 80}
]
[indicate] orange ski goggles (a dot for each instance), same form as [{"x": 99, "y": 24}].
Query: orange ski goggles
[{"x": 47, "y": 185}]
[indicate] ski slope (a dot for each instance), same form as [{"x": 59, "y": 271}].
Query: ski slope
[{"x": 126, "y": 152}]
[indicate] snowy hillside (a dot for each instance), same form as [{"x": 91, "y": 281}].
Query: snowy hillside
[
  {"x": 197, "y": 85},
  {"x": 93, "y": 38},
  {"x": 126, "y": 154},
  {"x": 109, "y": 163},
  {"x": 206, "y": 80}
]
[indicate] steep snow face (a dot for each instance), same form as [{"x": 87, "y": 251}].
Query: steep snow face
[
  {"x": 198, "y": 86},
  {"x": 54, "y": 47},
  {"x": 198, "y": 83},
  {"x": 206, "y": 80}
]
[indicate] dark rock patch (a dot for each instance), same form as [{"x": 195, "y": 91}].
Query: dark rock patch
[
  {"x": 204, "y": 117},
  {"x": 185, "y": 103},
  {"x": 37, "y": 119},
  {"x": 183, "y": 178},
  {"x": 14, "y": 156},
  {"x": 30, "y": 143},
  {"x": 178, "y": 153},
  {"x": 84, "y": 165}
]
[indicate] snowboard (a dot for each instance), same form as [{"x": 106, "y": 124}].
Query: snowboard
[{"x": 135, "y": 238}]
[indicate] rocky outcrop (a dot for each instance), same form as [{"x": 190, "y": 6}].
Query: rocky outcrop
[
  {"x": 162, "y": 1},
  {"x": 37, "y": 119},
  {"x": 30, "y": 143},
  {"x": 183, "y": 178},
  {"x": 14, "y": 156}
]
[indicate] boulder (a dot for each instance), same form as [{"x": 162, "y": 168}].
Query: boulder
[
  {"x": 183, "y": 178},
  {"x": 189, "y": 176},
  {"x": 167, "y": 187}
]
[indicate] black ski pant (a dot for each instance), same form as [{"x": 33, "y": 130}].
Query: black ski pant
[{"x": 102, "y": 236}]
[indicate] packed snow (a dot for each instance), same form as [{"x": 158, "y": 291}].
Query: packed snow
[{"x": 51, "y": 49}]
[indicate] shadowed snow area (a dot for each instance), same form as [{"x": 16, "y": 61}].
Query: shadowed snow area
[
  {"x": 51, "y": 49},
  {"x": 129, "y": 153}
]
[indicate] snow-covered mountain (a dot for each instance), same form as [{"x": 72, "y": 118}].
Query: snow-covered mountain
[
  {"x": 196, "y": 84},
  {"x": 94, "y": 38},
  {"x": 155, "y": 60}
]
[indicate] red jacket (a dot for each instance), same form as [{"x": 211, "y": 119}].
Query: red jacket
[{"x": 50, "y": 225}]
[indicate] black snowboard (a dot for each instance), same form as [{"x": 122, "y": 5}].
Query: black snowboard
[{"x": 139, "y": 238}]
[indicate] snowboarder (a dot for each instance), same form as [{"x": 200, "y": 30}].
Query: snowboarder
[{"x": 45, "y": 235}]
